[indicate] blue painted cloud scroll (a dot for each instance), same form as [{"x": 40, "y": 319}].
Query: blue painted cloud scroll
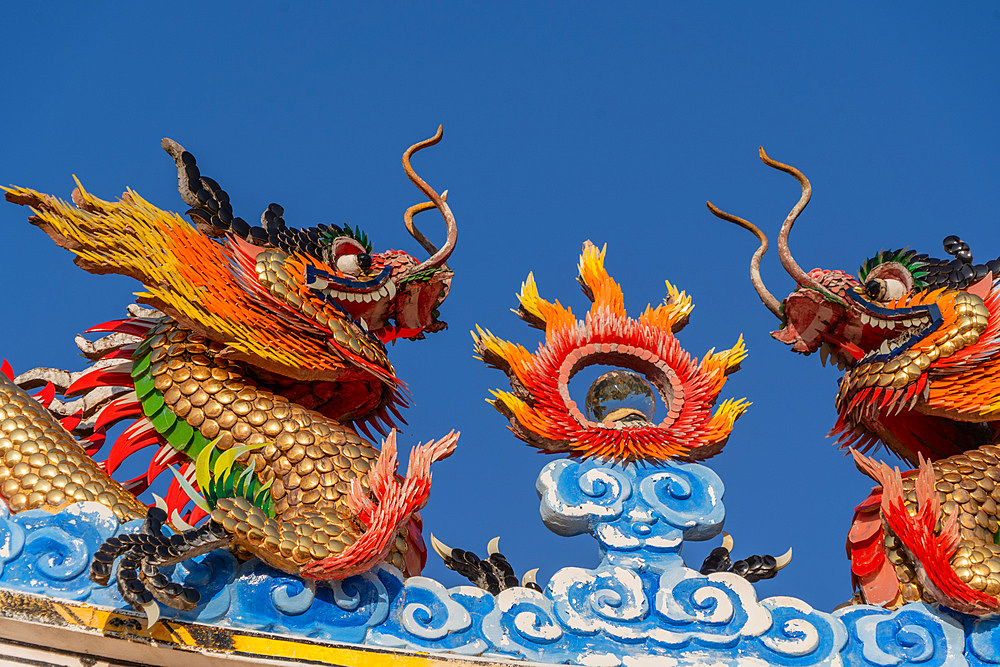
[{"x": 640, "y": 601}]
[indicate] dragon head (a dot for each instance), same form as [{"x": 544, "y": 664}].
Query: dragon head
[
  {"x": 913, "y": 334},
  {"x": 390, "y": 294}
]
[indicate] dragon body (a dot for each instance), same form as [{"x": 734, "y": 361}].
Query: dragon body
[
  {"x": 918, "y": 339},
  {"x": 258, "y": 356}
]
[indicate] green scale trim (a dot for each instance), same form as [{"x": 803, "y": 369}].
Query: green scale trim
[
  {"x": 218, "y": 474},
  {"x": 178, "y": 433},
  {"x": 422, "y": 275},
  {"x": 909, "y": 259},
  {"x": 335, "y": 231}
]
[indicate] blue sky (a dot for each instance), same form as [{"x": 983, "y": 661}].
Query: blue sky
[{"x": 563, "y": 122}]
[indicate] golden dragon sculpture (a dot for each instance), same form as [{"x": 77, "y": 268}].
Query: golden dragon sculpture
[
  {"x": 918, "y": 339},
  {"x": 260, "y": 352}
]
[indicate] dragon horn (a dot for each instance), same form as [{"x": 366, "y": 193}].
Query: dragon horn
[
  {"x": 438, "y": 256},
  {"x": 758, "y": 283},
  {"x": 784, "y": 254}
]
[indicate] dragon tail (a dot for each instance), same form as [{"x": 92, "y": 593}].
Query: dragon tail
[{"x": 44, "y": 467}]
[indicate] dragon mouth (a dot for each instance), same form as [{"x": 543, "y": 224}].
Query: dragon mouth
[
  {"x": 886, "y": 332},
  {"x": 374, "y": 288},
  {"x": 866, "y": 332}
]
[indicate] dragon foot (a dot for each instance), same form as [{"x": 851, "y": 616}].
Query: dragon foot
[
  {"x": 943, "y": 555},
  {"x": 321, "y": 543},
  {"x": 753, "y": 568},
  {"x": 144, "y": 553},
  {"x": 492, "y": 574}
]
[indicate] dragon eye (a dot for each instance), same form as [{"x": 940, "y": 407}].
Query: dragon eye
[
  {"x": 885, "y": 289},
  {"x": 875, "y": 289},
  {"x": 354, "y": 264},
  {"x": 888, "y": 281}
]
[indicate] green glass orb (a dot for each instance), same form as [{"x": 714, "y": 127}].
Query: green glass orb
[{"x": 620, "y": 394}]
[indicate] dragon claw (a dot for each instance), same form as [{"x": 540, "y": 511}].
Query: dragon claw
[
  {"x": 440, "y": 548},
  {"x": 492, "y": 574},
  {"x": 142, "y": 555},
  {"x": 753, "y": 568},
  {"x": 152, "y": 611}
]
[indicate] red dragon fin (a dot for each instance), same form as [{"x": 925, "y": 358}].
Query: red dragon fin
[
  {"x": 932, "y": 551},
  {"x": 871, "y": 570}
]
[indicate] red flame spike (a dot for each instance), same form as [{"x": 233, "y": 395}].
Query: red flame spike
[
  {"x": 374, "y": 422},
  {"x": 176, "y": 497},
  {"x": 124, "y": 352},
  {"x": 46, "y": 395},
  {"x": 194, "y": 516},
  {"x": 94, "y": 442},
  {"x": 136, "y": 485},
  {"x": 392, "y": 408},
  {"x": 416, "y": 552},
  {"x": 363, "y": 427},
  {"x": 126, "y": 446},
  {"x": 100, "y": 377},
  {"x": 157, "y": 466},
  {"x": 117, "y": 410},
  {"x": 72, "y": 421},
  {"x": 128, "y": 326}
]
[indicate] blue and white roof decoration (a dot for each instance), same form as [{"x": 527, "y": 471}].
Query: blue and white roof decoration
[{"x": 640, "y": 606}]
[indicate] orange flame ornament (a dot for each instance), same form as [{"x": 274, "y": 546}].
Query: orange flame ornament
[{"x": 539, "y": 406}]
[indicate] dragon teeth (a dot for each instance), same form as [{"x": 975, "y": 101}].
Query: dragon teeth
[
  {"x": 387, "y": 291},
  {"x": 892, "y": 324}
]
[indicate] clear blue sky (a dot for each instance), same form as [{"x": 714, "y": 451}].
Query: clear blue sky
[{"x": 563, "y": 122}]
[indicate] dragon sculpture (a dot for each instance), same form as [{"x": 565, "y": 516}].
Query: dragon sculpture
[
  {"x": 616, "y": 423},
  {"x": 259, "y": 353},
  {"x": 918, "y": 339}
]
